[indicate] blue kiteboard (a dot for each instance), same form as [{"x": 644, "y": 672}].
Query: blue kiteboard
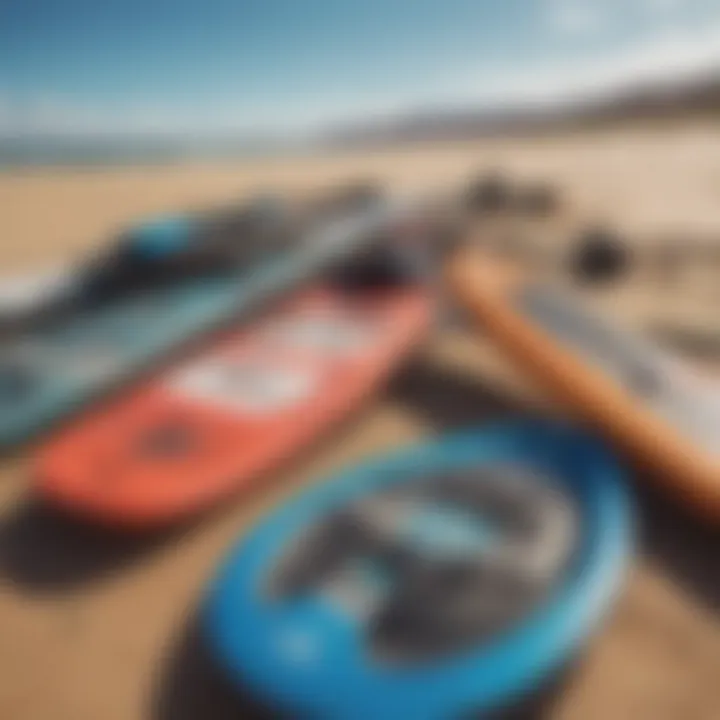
[{"x": 449, "y": 578}]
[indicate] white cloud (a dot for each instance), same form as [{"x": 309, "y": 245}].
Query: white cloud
[
  {"x": 583, "y": 18},
  {"x": 671, "y": 57}
]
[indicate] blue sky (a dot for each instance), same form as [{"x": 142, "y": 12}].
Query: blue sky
[{"x": 206, "y": 66}]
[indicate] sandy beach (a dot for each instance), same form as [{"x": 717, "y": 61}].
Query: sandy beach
[{"x": 94, "y": 627}]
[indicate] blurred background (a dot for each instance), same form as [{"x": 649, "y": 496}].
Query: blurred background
[
  {"x": 114, "y": 110},
  {"x": 608, "y": 98},
  {"x": 161, "y": 82}
]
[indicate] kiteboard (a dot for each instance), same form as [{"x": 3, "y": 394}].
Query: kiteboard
[
  {"x": 212, "y": 426},
  {"x": 444, "y": 580}
]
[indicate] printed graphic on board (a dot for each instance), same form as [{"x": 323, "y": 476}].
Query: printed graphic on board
[{"x": 248, "y": 384}]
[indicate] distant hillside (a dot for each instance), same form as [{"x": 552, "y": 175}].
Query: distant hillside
[
  {"x": 680, "y": 100},
  {"x": 676, "y": 101}
]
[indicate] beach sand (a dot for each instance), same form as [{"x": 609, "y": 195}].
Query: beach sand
[{"x": 94, "y": 627}]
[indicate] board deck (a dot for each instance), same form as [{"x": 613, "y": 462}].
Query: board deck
[
  {"x": 655, "y": 407},
  {"x": 402, "y": 587},
  {"x": 213, "y": 425},
  {"x": 47, "y": 373}
]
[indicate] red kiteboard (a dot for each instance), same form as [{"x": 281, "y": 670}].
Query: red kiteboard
[{"x": 212, "y": 426}]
